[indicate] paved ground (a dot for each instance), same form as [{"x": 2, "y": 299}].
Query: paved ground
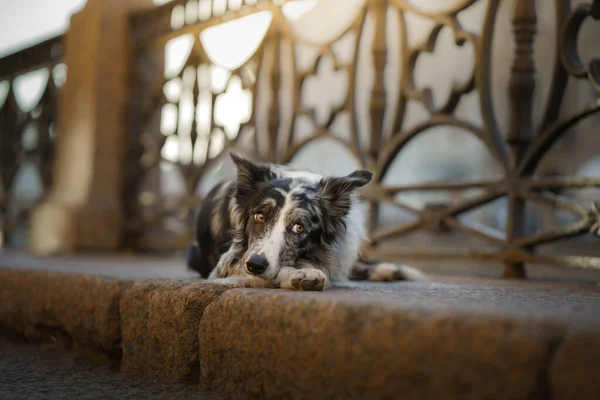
[
  {"x": 543, "y": 296},
  {"x": 43, "y": 371},
  {"x": 137, "y": 266},
  {"x": 125, "y": 266}
]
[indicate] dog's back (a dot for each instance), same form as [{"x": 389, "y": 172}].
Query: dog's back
[{"x": 213, "y": 228}]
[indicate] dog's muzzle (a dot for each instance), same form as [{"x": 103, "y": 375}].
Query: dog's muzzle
[{"x": 257, "y": 264}]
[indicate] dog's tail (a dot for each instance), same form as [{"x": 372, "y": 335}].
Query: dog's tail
[
  {"x": 383, "y": 271},
  {"x": 195, "y": 261}
]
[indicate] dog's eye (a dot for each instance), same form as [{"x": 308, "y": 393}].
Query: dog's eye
[
  {"x": 297, "y": 228},
  {"x": 259, "y": 217}
]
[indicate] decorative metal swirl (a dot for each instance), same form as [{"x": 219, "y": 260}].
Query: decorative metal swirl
[
  {"x": 271, "y": 133},
  {"x": 26, "y": 136}
]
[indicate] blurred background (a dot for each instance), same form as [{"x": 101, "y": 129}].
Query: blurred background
[{"x": 417, "y": 91}]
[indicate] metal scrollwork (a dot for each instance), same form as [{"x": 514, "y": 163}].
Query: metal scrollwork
[
  {"x": 276, "y": 74},
  {"x": 595, "y": 212},
  {"x": 569, "y": 54},
  {"x": 27, "y": 136}
]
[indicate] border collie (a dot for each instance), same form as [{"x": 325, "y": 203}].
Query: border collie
[{"x": 274, "y": 226}]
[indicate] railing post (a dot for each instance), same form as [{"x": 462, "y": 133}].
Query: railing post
[
  {"x": 379, "y": 50},
  {"x": 84, "y": 208},
  {"x": 377, "y": 103},
  {"x": 274, "y": 120},
  {"x": 520, "y": 133}
]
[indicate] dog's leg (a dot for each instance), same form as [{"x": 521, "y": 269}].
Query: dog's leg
[
  {"x": 245, "y": 282},
  {"x": 382, "y": 271},
  {"x": 307, "y": 279},
  {"x": 200, "y": 260}
]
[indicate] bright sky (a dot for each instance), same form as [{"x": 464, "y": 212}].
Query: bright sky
[{"x": 25, "y": 22}]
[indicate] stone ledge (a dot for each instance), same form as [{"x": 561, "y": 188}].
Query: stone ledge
[
  {"x": 85, "y": 308},
  {"x": 472, "y": 338},
  {"x": 577, "y": 360},
  {"x": 357, "y": 345},
  {"x": 160, "y": 322}
]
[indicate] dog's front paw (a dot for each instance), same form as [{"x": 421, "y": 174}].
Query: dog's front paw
[{"x": 308, "y": 279}]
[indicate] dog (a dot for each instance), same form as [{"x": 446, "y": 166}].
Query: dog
[{"x": 276, "y": 226}]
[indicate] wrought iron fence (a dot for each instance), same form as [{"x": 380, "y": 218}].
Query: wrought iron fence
[
  {"x": 29, "y": 84},
  {"x": 181, "y": 127}
]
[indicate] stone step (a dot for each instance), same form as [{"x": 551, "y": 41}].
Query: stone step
[{"x": 450, "y": 338}]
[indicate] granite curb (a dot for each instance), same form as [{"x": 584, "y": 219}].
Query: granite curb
[
  {"x": 81, "y": 308},
  {"x": 352, "y": 345},
  {"x": 159, "y": 326},
  {"x": 473, "y": 340}
]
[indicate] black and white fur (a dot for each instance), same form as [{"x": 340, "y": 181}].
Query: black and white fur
[{"x": 274, "y": 226}]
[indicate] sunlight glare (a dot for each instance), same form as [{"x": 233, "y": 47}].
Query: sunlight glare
[{"x": 232, "y": 43}]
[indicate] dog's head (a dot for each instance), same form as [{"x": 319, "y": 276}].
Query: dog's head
[{"x": 287, "y": 216}]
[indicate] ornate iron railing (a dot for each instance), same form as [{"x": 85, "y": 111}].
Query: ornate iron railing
[
  {"x": 29, "y": 82},
  {"x": 179, "y": 135}
]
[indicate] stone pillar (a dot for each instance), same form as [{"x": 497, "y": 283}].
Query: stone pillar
[{"x": 84, "y": 207}]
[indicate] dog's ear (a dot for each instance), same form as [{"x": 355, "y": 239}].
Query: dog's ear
[
  {"x": 336, "y": 188},
  {"x": 337, "y": 192},
  {"x": 250, "y": 173}
]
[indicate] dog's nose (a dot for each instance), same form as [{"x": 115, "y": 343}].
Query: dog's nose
[{"x": 257, "y": 264}]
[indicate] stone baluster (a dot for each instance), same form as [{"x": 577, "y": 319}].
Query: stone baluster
[{"x": 84, "y": 209}]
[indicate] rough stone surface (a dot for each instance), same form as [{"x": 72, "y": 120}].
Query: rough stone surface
[
  {"x": 358, "y": 344},
  {"x": 85, "y": 308},
  {"x": 48, "y": 372},
  {"x": 577, "y": 361},
  {"x": 160, "y": 321},
  {"x": 450, "y": 338}
]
